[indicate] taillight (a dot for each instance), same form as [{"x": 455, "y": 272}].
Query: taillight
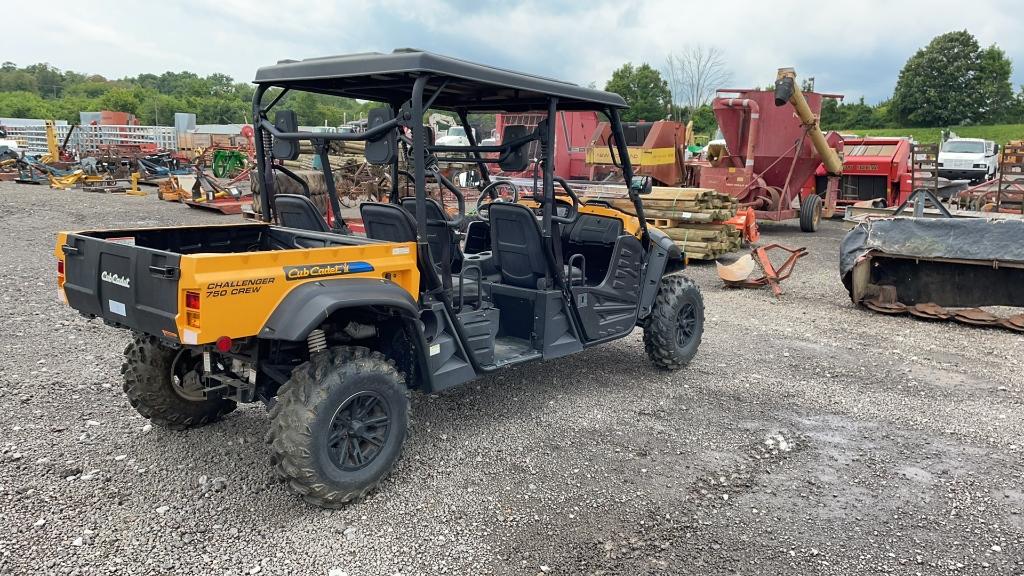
[
  {"x": 224, "y": 344},
  {"x": 192, "y": 309},
  {"x": 60, "y": 267}
]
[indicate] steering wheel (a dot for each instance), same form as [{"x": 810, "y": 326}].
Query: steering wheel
[
  {"x": 481, "y": 208},
  {"x": 574, "y": 208}
]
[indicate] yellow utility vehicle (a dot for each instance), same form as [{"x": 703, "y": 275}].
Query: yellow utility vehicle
[{"x": 332, "y": 330}]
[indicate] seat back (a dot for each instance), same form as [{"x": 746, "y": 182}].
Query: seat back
[
  {"x": 295, "y": 211},
  {"x": 442, "y": 239},
  {"x": 594, "y": 229},
  {"x": 516, "y": 244},
  {"x": 387, "y": 222}
]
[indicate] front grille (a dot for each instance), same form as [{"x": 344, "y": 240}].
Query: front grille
[{"x": 862, "y": 187}]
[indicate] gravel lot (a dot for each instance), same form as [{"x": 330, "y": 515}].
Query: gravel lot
[{"x": 808, "y": 437}]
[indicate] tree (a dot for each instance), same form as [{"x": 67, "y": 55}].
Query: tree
[
  {"x": 704, "y": 121},
  {"x": 996, "y": 94},
  {"x": 42, "y": 91},
  {"x": 953, "y": 81},
  {"x": 643, "y": 89},
  {"x": 695, "y": 73}
]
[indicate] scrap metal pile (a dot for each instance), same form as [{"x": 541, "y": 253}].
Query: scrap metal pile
[
  {"x": 1003, "y": 194},
  {"x": 938, "y": 268}
]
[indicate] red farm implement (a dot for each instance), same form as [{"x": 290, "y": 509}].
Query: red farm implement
[{"x": 771, "y": 150}]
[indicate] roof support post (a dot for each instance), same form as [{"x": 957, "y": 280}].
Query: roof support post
[
  {"x": 396, "y": 109},
  {"x": 484, "y": 172},
  {"x": 549, "y": 167},
  {"x": 627, "y": 173},
  {"x": 261, "y": 153},
  {"x": 432, "y": 282},
  {"x": 419, "y": 157}
]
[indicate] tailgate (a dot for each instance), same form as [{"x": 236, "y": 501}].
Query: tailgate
[{"x": 122, "y": 283}]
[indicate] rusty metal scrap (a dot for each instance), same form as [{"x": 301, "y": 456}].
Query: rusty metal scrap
[{"x": 738, "y": 274}]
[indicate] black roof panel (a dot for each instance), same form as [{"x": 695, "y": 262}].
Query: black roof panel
[{"x": 389, "y": 78}]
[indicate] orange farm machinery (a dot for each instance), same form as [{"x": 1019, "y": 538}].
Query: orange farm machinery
[{"x": 656, "y": 149}]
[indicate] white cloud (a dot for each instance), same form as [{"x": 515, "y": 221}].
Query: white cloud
[{"x": 856, "y": 47}]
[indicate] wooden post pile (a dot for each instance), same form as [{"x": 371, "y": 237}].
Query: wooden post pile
[{"x": 693, "y": 217}]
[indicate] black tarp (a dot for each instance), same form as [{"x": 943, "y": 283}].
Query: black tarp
[{"x": 983, "y": 240}]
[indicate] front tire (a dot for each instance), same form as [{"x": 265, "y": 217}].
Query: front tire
[
  {"x": 338, "y": 426},
  {"x": 673, "y": 332},
  {"x": 810, "y": 213},
  {"x": 163, "y": 386}
]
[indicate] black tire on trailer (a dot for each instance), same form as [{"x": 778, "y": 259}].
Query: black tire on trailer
[
  {"x": 338, "y": 426},
  {"x": 810, "y": 213},
  {"x": 673, "y": 331},
  {"x": 162, "y": 385}
]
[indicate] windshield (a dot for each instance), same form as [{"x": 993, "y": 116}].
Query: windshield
[
  {"x": 456, "y": 131},
  {"x": 965, "y": 146}
]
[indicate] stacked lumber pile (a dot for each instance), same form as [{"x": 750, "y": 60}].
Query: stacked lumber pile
[
  {"x": 693, "y": 217},
  {"x": 706, "y": 241}
]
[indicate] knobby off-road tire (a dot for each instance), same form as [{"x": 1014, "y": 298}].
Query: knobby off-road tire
[
  {"x": 673, "y": 331},
  {"x": 810, "y": 213},
  {"x": 344, "y": 405},
  {"x": 151, "y": 388}
]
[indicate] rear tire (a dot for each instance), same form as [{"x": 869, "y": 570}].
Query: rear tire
[
  {"x": 159, "y": 395},
  {"x": 810, "y": 213},
  {"x": 338, "y": 426},
  {"x": 674, "y": 329}
]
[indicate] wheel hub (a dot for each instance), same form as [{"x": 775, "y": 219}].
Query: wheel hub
[
  {"x": 359, "y": 431},
  {"x": 190, "y": 386},
  {"x": 687, "y": 324}
]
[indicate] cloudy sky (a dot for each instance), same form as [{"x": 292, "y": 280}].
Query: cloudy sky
[{"x": 852, "y": 47}]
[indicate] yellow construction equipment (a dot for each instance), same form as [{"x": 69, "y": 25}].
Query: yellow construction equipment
[
  {"x": 170, "y": 189},
  {"x": 72, "y": 180},
  {"x": 135, "y": 190},
  {"x": 52, "y": 147}
]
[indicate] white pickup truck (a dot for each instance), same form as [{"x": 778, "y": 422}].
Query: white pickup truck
[
  {"x": 455, "y": 136},
  {"x": 971, "y": 159}
]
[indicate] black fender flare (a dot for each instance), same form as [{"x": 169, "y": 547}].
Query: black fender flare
[
  {"x": 664, "y": 256},
  {"x": 307, "y": 306}
]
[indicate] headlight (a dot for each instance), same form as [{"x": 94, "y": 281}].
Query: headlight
[
  {"x": 980, "y": 166},
  {"x": 941, "y": 164}
]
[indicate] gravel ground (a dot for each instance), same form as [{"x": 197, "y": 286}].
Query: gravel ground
[{"x": 808, "y": 436}]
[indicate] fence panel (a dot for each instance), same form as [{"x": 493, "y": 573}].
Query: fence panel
[{"x": 87, "y": 140}]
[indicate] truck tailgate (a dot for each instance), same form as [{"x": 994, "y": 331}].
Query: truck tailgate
[{"x": 128, "y": 285}]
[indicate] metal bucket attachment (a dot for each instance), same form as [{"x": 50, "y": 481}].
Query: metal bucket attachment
[{"x": 738, "y": 274}]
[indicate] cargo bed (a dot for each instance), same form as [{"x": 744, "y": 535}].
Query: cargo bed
[{"x": 137, "y": 278}]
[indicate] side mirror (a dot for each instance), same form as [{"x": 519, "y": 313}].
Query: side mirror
[
  {"x": 380, "y": 150},
  {"x": 285, "y": 121},
  {"x": 641, "y": 185},
  {"x": 518, "y": 159}
]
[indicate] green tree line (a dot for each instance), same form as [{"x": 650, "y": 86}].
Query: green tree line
[
  {"x": 43, "y": 91},
  {"x": 953, "y": 81}
]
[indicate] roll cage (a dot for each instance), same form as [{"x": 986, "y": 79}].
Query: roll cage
[{"x": 409, "y": 83}]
